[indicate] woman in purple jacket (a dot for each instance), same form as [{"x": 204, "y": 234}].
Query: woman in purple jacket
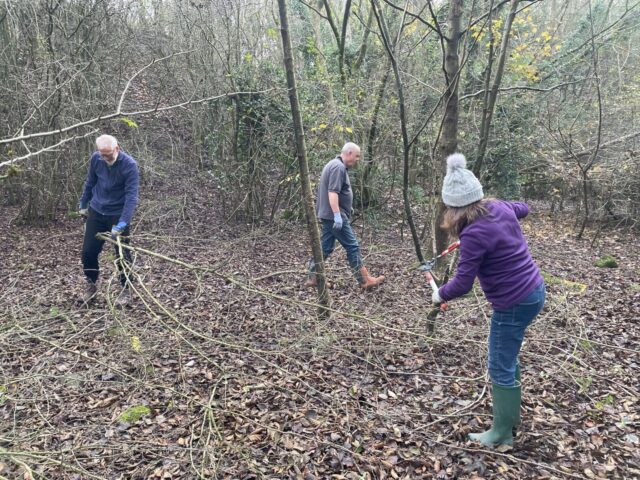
[{"x": 493, "y": 248}]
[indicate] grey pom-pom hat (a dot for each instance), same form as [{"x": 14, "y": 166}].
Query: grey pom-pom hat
[{"x": 460, "y": 187}]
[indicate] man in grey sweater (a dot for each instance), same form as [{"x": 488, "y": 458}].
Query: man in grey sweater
[{"x": 334, "y": 207}]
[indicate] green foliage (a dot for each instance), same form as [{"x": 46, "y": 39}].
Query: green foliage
[
  {"x": 418, "y": 195},
  {"x": 128, "y": 122},
  {"x": 608, "y": 400},
  {"x": 606, "y": 261},
  {"x": 584, "y": 383},
  {"x": 12, "y": 171},
  {"x": 504, "y": 163},
  {"x": 586, "y": 345},
  {"x": 550, "y": 279},
  {"x": 134, "y": 414}
]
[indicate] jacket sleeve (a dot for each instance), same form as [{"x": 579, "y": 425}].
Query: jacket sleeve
[
  {"x": 131, "y": 186},
  {"x": 87, "y": 191},
  {"x": 521, "y": 209},
  {"x": 472, "y": 252}
]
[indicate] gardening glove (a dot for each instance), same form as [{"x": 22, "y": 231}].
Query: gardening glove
[
  {"x": 435, "y": 297},
  {"x": 117, "y": 230},
  {"x": 337, "y": 222},
  {"x": 83, "y": 210}
]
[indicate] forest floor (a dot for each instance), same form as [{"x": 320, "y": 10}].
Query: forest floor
[{"x": 222, "y": 369}]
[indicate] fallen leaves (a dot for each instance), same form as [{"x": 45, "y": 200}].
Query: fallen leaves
[{"x": 241, "y": 385}]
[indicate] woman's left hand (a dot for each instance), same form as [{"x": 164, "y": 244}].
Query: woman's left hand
[{"x": 435, "y": 296}]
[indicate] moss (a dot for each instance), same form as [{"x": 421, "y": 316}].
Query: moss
[
  {"x": 607, "y": 261},
  {"x": 134, "y": 414},
  {"x": 550, "y": 279}
]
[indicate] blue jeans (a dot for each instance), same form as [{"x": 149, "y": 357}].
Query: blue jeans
[
  {"x": 506, "y": 335},
  {"x": 347, "y": 239}
]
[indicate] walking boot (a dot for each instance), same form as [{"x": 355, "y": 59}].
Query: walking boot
[
  {"x": 368, "y": 281},
  {"x": 124, "y": 299},
  {"x": 506, "y": 409},
  {"x": 90, "y": 291}
]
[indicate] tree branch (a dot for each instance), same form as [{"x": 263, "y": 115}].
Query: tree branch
[
  {"x": 523, "y": 87},
  {"x": 417, "y": 17},
  {"x": 126, "y": 114},
  {"x": 46, "y": 149}
]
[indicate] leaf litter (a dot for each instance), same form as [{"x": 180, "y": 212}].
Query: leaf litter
[{"x": 239, "y": 378}]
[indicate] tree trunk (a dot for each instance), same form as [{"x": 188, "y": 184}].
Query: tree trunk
[
  {"x": 301, "y": 150},
  {"x": 367, "y": 193},
  {"x": 403, "y": 125},
  {"x": 490, "y": 103},
  {"x": 449, "y": 141}
]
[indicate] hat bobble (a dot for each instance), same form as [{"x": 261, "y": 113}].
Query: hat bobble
[{"x": 455, "y": 161}]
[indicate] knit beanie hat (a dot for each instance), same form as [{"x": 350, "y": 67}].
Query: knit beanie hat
[{"x": 460, "y": 187}]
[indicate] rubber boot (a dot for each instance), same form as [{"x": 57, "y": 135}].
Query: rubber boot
[
  {"x": 518, "y": 382},
  {"x": 506, "y": 409},
  {"x": 368, "y": 281}
]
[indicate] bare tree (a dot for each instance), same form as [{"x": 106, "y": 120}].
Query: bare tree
[
  {"x": 491, "y": 95},
  {"x": 390, "y": 48},
  {"x": 301, "y": 152},
  {"x": 449, "y": 139}
]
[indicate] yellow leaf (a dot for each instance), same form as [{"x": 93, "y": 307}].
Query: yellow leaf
[
  {"x": 129, "y": 122},
  {"x": 349, "y": 129},
  {"x": 135, "y": 344}
]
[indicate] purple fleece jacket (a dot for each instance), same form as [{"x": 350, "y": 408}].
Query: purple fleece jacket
[{"x": 494, "y": 249}]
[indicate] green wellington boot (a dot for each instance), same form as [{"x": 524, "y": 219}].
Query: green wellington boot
[
  {"x": 518, "y": 382},
  {"x": 506, "y": 411}
]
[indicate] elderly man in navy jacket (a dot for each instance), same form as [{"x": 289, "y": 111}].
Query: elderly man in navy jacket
[{"x": 108, "y": 202}]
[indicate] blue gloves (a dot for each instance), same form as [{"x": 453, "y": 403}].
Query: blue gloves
[
  {"x": 83, "y": 210},
  {"x": 337, "y": 222},
  {"x": 117, "y": 230}
]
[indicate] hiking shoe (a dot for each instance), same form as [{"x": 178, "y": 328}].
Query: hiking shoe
[{"x": 89, "y": 292}]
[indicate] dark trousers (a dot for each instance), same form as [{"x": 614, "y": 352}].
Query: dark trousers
[{"x": 91, "y": 247}]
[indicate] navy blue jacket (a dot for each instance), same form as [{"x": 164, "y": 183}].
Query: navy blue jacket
[{"x": 112, "y": 190}]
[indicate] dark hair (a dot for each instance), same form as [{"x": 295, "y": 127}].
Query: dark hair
[{"x": 456, "y": 218}]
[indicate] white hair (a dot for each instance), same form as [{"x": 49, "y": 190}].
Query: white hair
[
  {"x": 106, "y": 141},
  {"x": 350, "y": 146}
]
